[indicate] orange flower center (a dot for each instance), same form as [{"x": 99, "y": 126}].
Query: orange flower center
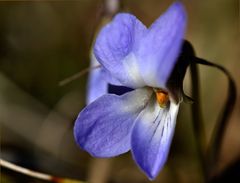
[{"x": 162, "y": 97}]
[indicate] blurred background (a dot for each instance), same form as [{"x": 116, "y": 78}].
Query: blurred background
[{"x": 45, "y": 42}]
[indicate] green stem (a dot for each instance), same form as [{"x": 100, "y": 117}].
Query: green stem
[{"x": 198, "y": 127}]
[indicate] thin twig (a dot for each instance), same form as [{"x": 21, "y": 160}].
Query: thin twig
[
  {"x": 111, "y": 7},
  {"x": 77, "y": 75},
  {"x": 35, "y": 174}
]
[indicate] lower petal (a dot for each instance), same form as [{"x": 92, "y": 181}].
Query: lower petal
[
  {"x": 152, "y": 135},
  {"x": 103, "y": 128}
]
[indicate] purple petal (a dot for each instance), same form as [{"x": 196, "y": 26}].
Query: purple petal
[
  {"x": 152, "y": 135},
  {"x": 103, "y": 127},
  {"x": 110, "y": 78},
  {"x": 97, "y": 85},
  {"x": 114, "y": 45},
  {"x": 160, "y": 47}
]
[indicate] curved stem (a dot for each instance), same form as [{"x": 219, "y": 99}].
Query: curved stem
[{"x": 219, "y": 129}]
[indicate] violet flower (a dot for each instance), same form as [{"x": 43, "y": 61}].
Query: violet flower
[{"x": 141, "y": 120}]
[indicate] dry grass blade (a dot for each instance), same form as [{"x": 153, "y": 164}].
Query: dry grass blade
[{"x": 35, "y": 174}]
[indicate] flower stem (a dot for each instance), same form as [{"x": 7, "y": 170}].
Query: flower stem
[
  {"x": 198, "y": 126},
  {"x": 219, "y": 129}
]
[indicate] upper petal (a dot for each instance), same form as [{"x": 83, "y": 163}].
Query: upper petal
[
  {"x": 114, "y": 45},
  {"x": 152, "y": 135},
  {"x": 103, "y": 127},
  {"x": 160, "y": 47}
]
